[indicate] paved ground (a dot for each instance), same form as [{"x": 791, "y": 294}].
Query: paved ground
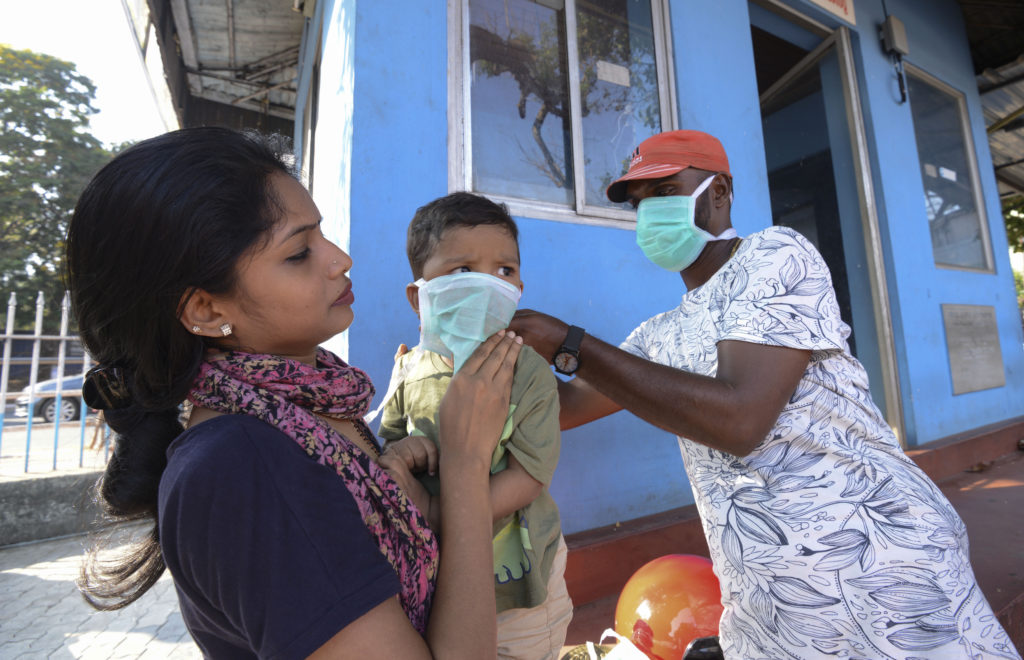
[
  {"x": 74, "y": 446},
  {"x": 42, "y": 614}
]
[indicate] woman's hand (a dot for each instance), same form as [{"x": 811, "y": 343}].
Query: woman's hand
[{"x": 475, "y": 406}]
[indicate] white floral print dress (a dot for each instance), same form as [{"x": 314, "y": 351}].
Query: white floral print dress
[{"x": 827, "y": 540}]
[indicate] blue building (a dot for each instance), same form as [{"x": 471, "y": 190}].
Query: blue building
[{"x": 887, "y": 131}]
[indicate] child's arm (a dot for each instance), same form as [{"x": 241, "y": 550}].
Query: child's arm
[
  {"x": 405, "y": 458},
  {"x": 512, "y": 489},
  {"x": 399, "y": 470},
  {"x": 532, "y": 451},
  {"x": 418, "y": 452}
]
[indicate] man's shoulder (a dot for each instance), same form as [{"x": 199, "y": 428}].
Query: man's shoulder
[{"x": 777, "y": 236}]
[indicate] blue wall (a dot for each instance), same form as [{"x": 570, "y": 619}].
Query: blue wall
[
  {"x": 918, "y": 288},
  {"x": 621, "y": 468}
]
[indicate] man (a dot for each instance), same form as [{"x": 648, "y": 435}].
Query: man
[{"x": 826, "y": 538}]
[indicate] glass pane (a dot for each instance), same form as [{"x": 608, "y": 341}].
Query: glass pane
[
  {"x": 953, "y": 217},
  {"x": 618, "y": 88},
  {"x": 519, "y": 97}
]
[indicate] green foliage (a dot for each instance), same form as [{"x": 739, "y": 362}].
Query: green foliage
[
  {"x": 1013, "y": 215},
  {"x": 47, "y": 155}
]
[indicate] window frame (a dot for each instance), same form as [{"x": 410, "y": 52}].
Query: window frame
[
  {"x": 970, "y": 155},
  {"x": 460, "y": 166}
]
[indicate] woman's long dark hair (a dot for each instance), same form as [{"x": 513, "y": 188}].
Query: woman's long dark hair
[{"x": 166, "y": 217}]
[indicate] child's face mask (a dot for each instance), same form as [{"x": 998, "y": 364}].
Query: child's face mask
[{"x": 458, "y": 312}]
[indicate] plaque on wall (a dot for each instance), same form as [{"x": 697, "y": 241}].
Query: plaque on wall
[{"x": 972, "y": 339}]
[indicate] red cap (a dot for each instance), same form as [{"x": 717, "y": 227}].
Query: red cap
[{"x": 666, "y": 153}]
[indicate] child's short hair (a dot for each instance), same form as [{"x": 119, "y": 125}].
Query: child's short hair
[{"x": 459, "y": 209}]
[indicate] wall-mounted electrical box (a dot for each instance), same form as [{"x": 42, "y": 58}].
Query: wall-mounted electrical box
[{"x": 894, "y": 36}]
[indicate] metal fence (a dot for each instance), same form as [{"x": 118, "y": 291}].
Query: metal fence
[{"x": 44, "y": 424}]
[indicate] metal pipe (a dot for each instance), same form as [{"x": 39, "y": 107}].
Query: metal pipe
[
  {"x": 5, "y": 369},
  {"x": 33, "y": 375},
  {"x": 263, "y": 91},
  {"x": 231, "y": 32},
  {"x": 1005, "y": 120},
  {"x": 58, "y": 401}
]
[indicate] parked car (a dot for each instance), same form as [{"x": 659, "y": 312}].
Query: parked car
[{"x": 44, "y": 404}]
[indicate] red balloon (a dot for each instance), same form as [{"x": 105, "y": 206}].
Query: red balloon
[{"x": 668, "y": 603}]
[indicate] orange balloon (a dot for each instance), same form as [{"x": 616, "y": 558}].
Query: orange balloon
[{"x": 667, "y": 603}]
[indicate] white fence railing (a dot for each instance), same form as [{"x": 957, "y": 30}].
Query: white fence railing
[{"x": 27, "y": 414}]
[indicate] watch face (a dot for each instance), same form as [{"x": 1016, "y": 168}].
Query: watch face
[{"x": 566, "y": 363}]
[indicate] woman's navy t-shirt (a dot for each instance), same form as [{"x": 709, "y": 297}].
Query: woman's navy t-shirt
[{"x": 269, "y": 554}]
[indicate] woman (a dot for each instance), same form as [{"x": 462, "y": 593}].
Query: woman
[{"x": 198, "y": 271}]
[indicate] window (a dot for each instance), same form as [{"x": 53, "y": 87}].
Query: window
[
  {"x": 554, "y": 96},
  {"x": 956, "y": 219}
]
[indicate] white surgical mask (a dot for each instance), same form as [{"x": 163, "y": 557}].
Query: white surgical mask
[
  {"x": 667, "y": 233},
  {"x": 458, "y": 312}
]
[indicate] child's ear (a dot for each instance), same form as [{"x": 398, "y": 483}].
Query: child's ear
[{"x": 412, "y": 292}]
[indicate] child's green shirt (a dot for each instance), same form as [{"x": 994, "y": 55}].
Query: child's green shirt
[{"x": 525, "y": 541}]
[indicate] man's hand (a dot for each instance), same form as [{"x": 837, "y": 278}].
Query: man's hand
[
  {"x": 579, "y": 403},
  {"x": 417, "y": 451},
  {"x": 543, "y": 333}
]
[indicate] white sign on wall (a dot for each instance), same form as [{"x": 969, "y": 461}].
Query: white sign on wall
[{"x": 841, "y": 8}]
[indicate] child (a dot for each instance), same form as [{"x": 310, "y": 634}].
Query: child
[{"x": 451, "y": 241}]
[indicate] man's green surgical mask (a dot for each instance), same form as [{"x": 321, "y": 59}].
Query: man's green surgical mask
[
  {"x": 458, "y": 312},
  {"x": 666, "y": 232}
]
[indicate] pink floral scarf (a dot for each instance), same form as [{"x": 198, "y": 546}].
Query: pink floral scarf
[{"x": 286, "y": 394}]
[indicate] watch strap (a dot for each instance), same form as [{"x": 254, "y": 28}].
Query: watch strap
[{"x": 573, "y": 339}]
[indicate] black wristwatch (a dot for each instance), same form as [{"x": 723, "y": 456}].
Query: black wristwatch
[{"x": 567, "y": 358}]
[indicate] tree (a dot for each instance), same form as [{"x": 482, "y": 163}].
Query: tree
[
  {"x": 47, "y": 155},
  {"x": 1013, "y": 215}
]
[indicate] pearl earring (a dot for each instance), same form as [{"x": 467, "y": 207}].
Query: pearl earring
[
  {"x": 196, "y": 329},
  {"x": 225, "y": 329}
]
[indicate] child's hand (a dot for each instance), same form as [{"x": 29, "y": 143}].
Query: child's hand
[
  {"x": 397, "y": 468},
  {"x": 402, "y": 350},
  {"x": 416, "y": 451}
]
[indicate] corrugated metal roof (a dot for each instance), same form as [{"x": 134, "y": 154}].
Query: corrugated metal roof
[
  {"x": 241, "y": 52},
  {"x": 995, "y": 33},
  {"x": 1003, "y": 106}
]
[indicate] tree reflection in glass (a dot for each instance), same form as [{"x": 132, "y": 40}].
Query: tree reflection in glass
[{"x": 521, "y": 122}]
